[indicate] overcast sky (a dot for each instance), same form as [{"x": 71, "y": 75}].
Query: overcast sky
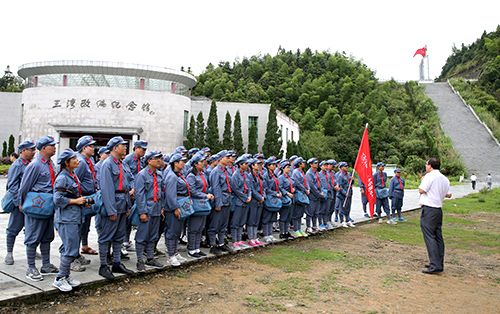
[{"x": 383, "y": 34}]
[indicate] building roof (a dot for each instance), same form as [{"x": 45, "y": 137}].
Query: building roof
[{"x": 106, "y": 68}]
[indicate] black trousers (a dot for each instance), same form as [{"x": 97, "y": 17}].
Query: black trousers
[{"x": 431, "y": 221}]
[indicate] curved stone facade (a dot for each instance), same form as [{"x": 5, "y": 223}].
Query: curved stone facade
[{"x": 155, "y": 116}]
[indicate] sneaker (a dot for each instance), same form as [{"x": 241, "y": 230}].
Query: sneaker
[
  {"x": 252, "y": 243},
  {"x": 236, "y": 246},
  {"x": 153, "y": 262},
  {"x": 380, "y": 220},
  {"x": 77, "y": 266},
  {"x": 105, "y": 272},
  {"x": 268, "y": 240},
  {"x": 367, "y": 216},
  {"x": 141, "y": 266},
  {"x": 49, "y": 269},
  {"x": 274, "y": 239},
  {"x": 322, "y": 227},
  {"x": 9, "y": 259},
  {"x": 195, "y": 254},
  {"x": 394, "y": 219},
  {"x": 289, "y": 236},
  {"x": 183, "y": 240},
  {"x": 216, "y": 251},
  {"x": 309, "y": 230},
  {"x": 130, "y": 247},
  {"x": 350, "y": 224},
  {"x": 73, "y": 282},
  {"x": 402, "y": 219},
  {"x": 329, "y": 225},
  {"x": 62, "y": 284},
  {"x": 83, "y": 260},
  {"x": 124, "y": 251},
  {"x": 180, "y": 258},
  {"x": 121, "y": 269},
  {"x": 243, "y": 245},
  {"x": 391, "y": 222},
  {"x": 225, "y": 248},
  {"x": 304, "y": 234},
  {"x": 344, "y": 225},
  {"x": 173, "y": 261},
  {"x": 33, "y": 274}
]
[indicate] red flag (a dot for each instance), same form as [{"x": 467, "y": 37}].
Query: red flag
[
  {"x": 363, "y": 167},
  {"x": 421, "y": 51}
]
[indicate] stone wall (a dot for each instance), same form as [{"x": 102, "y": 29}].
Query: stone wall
[{"x": 10, "y": 116}]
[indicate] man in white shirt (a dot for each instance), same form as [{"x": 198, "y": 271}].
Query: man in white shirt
[
  {"x": 433, "y": 189},
  {"x": 489, "y": 181},
  {"x": 473, "y": 179}
]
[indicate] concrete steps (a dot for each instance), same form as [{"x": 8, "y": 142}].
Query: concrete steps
[{"x": 479, "y": 151}]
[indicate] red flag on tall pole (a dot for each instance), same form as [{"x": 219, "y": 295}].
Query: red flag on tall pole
[
  {"x": 363, "y": 167},
  {"x": 422, "y": 51}
]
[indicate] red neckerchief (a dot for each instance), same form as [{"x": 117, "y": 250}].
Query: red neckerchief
[
  {"x": 318, "y": 182},
  {"x": 276, "y": 182},
  {"x": 257, "y": 175},
  {"x": 187, "y": 184},
  {"x": 304, "y": 177},
  {"x": 292, "y": 190},
  {"x": 204, "y": 188},
  {"x": 138, "y": 159},
  {"x": 381, "y": 175},
  {"x": 71, "y": 174},
  {"x": 91, "y": 167},
  {"x": 120, "y": 176},
  {"x": 51, "y": 170},
  {"x": 155, "y": 185},
  {"x": 227, "y": 179},
  {"x": 326, "y": 176},
  {"x": 245, "y": 188},
  {"x": 400, "y": 183},
  {"x": 332, "y": 178}
]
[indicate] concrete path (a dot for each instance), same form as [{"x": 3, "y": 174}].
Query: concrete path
[
  {"x": 479, "y": 151},
  {"x": 15, "y": 286}
]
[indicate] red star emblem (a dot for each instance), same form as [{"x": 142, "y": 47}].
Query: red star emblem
[{"x": 38, "y": 202}]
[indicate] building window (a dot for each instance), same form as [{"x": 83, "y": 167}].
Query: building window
[
  {"x": 186, "y": 122},
  {"x": 253, "y": 121},
  {"x": 291, "y": 135},
  {"x": 286, "y": 135}
]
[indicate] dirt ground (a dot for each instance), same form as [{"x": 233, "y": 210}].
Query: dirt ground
[{"x": 347, "y": 271}]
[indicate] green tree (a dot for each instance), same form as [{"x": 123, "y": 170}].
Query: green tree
[
  {"x": 212, "y": 136},
  {"x": 11, "y": 148},
  {"x": 253, "y": 146},
  {"x": 272, "y": 140},
  {"x": 191, "y": 134},
  {"x": 227, "y": 139},
  {"x": 11, "y": 83},
  {"x": 237, "y": 136},
  {"x": 200, "y": 131},
  {"x": 4, "y": 149}
]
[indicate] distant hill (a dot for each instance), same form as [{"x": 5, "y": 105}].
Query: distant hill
[
  {"x": 332, "y": 96},
  {"x": 479, "y": 60}
]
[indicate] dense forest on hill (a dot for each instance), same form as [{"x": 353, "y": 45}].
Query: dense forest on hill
[
  {"x": 479, "y": 60},
  {"x": 332, "y": 96}
]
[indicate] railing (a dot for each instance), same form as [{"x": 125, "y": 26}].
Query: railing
[{"x": 473, "y": 112}]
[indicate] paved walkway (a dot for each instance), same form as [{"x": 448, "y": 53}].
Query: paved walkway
[{"x": 14, "y": 285}]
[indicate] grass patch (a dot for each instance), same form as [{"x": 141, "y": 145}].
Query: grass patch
[
  {"x": 392, "y": 279},
  {"x": 260, "y": 305},
  {"x": 292, "y": 288},
  {"x": 4, "y": 169},
  {"x": 292, "y": 259},
  {"x": 460, "y": 229}
]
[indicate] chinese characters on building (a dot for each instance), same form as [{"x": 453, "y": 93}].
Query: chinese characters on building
[{"x": 102, "y": 103}]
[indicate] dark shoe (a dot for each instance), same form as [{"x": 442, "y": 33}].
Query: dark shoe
[
  {"x": 431, "y": 272},
  {"x": 427, "y": 265},
  {"x": 49, "y": 269},
  {"x": 121, "y": 269},
  {"x": 106, "y": 273},
  {"x": 141, "y": 266},
  {"x": 154, "y": 263},
  {"x": 124, "y": 257},
  {"x": 289, "y": 236},
  {"x": 283, "y": 236},
  {"x": 225, "y": 248},
  {"x": 195, "y": 255},
  {"x": 215, "y": 250},
  {"x": 205, "y": 244},
  {"x": 201, "y": 254}
]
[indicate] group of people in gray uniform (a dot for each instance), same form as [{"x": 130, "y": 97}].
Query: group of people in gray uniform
[{"x": 221, "y": 200}]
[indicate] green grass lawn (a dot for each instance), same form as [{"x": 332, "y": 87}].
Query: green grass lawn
[
  {"x": 470, "y": 223},
  {"x": 4, "y": 169}
]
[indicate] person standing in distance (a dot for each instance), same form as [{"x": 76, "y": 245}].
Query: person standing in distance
[
  {"x": 473, "y": 180},
  {"x": 433, "y": 189}
]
